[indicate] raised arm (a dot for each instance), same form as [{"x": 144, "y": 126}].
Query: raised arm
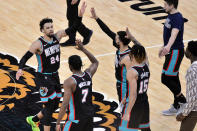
[
  {"x": 136, "y": 42},
  {"x": 72, "y": 29},
  {"x": 34, "y": 48},
  {"x": 131, "y": 37},
  {"x": 93, "y": 67},
  {"x": 102, "y": 25}
]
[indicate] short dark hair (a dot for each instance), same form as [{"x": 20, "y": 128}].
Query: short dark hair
[
  {"x": 122, "y": 36},
  {"x": 43, "y": 21},
  {"x": 75, "y": 62},
  {"x": 138, "y": 52},
  {"x": 192, "y": 47},
  {"x": 173, "y": 2}
]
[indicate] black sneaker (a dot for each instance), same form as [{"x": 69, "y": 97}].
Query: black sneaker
[
  {"x": 86, "y": 40},
  {"x": 68, "y": 43}
]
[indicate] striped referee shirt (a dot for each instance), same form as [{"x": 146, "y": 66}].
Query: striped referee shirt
[{"x": 191, "y": 90}]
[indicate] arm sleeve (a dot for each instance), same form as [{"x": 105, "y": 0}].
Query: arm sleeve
[
  {"x": 24, "y": 59},
  {"x": 107, "y": 31}
]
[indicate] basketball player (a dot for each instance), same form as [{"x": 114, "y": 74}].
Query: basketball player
[
  {"x": 47, "y": 50},
  {"x": 78, "y": 94},
  {"x": 72, "y": 14},
  {"x": 188, "y": 112},
  {"x": 120, "y": 41},
  {"x": 135, "y": 113},
  {"x": 173, "y": 51}
]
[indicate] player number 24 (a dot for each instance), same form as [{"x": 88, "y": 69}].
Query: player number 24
[{"x": 54, "y": 59}]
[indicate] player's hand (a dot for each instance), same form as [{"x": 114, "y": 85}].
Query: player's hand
[
  {"x": 165, "y": 50},
  {"x": 74, "y": 2},
  {"x": 83, "y": 8},
  {"x": 93, "y": 12},
  {"x": 129, "y": 35},
  {"x": 58, "y": 127},
  {"x": 126, "y": 117},
  {"x": 180, "y": 117},
  {"x": 160, "y": 52},
  {"x": 19, "y": 73},
  {"x": 79, "y": 44}
]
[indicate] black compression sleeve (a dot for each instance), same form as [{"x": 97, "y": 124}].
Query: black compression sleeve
[
  {"x": 106, "y": 29},
  {"x": 24, "y": 59},
  {"x": 75, "y": 26}
]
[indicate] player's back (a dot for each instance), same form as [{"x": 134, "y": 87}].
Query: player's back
[
  {"x": 81, "y": 100},
  {"x": 142, "y": 82}
]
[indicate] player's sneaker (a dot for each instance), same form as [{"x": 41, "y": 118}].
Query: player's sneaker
[
  {"x": 34, "y": 125},
  {"x": 170, "y": 112}
]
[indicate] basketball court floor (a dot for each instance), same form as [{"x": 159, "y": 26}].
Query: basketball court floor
[{"x": 19, "y": 27}]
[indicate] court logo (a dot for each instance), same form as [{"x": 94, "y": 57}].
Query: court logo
[
  {"x": 12, "y": 90},
  {"x": 145, "y": 7},
  {"x": 23, "y": 95}
]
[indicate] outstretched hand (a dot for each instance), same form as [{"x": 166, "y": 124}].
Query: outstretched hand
[
  {"x": 83, "y": 8},
  {"x": 93, "y": 12},
  {"x": 19, "y": 73},
  {"x": 79, "y": 44},
  {"x": 74, "y": 2},
  {"x": 129, "y": 35}
]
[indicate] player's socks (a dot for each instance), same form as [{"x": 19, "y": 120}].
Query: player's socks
[{"x": 34, "y": 125}]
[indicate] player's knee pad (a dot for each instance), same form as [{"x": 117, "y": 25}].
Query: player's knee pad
[
  {"x": 46, "y": 120},
  {"x": 47, "y": 112}
]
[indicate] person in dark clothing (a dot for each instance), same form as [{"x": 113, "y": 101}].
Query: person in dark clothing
[
  {"x": 173, "y": 50},
  {"x": 121, "y": 39},
  {"x": 72, "y": 14}
]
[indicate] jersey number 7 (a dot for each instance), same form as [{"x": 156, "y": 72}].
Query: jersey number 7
[{"x": 85, "y": 94}]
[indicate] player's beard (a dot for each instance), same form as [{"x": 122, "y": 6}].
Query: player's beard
[{"x": 50, "y": 35}]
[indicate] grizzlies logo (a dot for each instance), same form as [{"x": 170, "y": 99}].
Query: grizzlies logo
[
  {"x": 43, "y": 91},
  {"x": 19, "y": 99}
]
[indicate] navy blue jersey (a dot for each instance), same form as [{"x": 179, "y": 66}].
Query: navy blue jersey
[
  {"x": 142, "y": 82},
  {"x": 49, "y": 59},
  {"x": 80, "y": 105},
  {"x": 174, "y": 21}
]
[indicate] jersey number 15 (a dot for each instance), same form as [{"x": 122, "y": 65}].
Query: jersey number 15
[{"x": 143, "y": 86}]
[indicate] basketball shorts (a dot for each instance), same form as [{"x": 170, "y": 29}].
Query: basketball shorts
[
  {"x": 172, "y": 62},
  {"x": 139, "y": 117},
  {"x": 83, "y": 125},
  {"x": 49, "y": 86}
]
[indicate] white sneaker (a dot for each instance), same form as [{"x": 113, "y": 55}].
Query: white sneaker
[{"x": 170, "y": 112}]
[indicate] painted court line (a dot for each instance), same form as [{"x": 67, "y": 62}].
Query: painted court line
[{"x": 112, "y": 53}]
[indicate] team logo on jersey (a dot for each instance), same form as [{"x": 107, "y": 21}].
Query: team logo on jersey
[
  {"x": 43, "y": 91},
  {"x": 22, "y": 97}
]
